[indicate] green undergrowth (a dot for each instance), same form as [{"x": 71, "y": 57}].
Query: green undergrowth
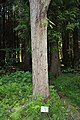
[
  {"x": 69, "y": 84},
  {"x": 17, "y": 102}
]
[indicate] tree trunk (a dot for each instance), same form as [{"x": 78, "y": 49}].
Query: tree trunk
[
  {"x": 3, "y": 38},
  {"x": 76, "y": 48},
  {"x": 26, "y": 56},
  {"x": 38, "y": 14},
  {"x": 65, "y": 48},
  {"x": 54, "y": 62}
]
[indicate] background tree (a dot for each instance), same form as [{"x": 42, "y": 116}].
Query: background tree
[
  {"x": 53, "y": 39},
  {"x": 66, "y": 19},
  {"x": 23, "y": 29}
]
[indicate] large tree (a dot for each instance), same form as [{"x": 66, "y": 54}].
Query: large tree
[{"x": 38, "y": 15}]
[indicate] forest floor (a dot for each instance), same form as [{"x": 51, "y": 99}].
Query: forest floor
[
  {"x": 68, "y": 88},
  {"x": 17, "y": 102}
]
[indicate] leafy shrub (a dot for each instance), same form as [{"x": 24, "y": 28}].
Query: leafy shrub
[{"x": 13, "y": 89}]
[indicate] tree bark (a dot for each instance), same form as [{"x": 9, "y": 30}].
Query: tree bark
[
  {"x": 3, "y": 37},
  {"x": 75, "y": 48},
  {"x": 26, "y": 56},
  {"x": 54, "y": 62},
  {"x": 65, "y": 48},
  {"x": 38, "y": 13}
]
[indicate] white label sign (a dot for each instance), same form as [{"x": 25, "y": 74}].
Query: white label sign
[{"x": 44, "y": 109}]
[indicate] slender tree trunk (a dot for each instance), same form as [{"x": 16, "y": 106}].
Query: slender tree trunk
[
  {"x": 54, "y": 64},
  {"x": 3, "y": 37},
  {"x": 65, "y": 48},
  {"x": 14, "y": 37},
  {"x": 26, "y": 56},
  {"x": 38, "y": 13},
  {"x": 0, "y": 35},
  {"x": 75, "y": 48},
  {"x": 17, "y": 46}
]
